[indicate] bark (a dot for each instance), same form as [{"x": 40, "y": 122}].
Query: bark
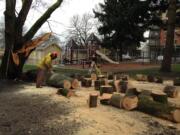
[
  {"x": 13, "y": 35},
  {"x": 9, "y": 37},
  {"x": 166, "y": 63}
]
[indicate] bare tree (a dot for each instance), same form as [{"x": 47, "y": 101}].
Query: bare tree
[{"x": 81, "y": 28}]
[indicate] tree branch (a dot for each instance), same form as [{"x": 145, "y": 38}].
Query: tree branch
[
  {"x": 41, "y": 20},
  {"x": 23, "y": 13}
]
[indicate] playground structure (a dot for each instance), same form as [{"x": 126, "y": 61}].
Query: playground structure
[{"x": 80, "y": 54}]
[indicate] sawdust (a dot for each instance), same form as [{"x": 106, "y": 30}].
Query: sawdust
[{"x": 28, "y": 110}]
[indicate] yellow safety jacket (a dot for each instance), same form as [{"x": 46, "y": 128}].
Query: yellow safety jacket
[{"x": 46, "y": 62}]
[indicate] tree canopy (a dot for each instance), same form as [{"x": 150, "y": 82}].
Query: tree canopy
[{"x": 123, "y": 22}]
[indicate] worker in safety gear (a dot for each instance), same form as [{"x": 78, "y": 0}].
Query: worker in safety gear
[{"x": 44, "y": 67}]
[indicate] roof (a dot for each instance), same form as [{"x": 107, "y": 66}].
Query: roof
[
  {"x": 72, "y": 44},
  {"x": 93, "y": 38},
  {"x": 52, "y": 40}
]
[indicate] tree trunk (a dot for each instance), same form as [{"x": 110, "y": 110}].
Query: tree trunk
[
  {"x": 9, "y": 70},
  {"x": 166, "y": 63}
]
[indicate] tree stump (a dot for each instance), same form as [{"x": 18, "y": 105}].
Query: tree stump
[
  {"x": 86, "y": 82},
  {"x": 158, "y": 109},
  {"x": 93, "y": 100},
  {"x": 171, "y": 91},
  {"x": 160, "y": 97},
  {"x": 98, "y": 83},
  {"x": 106, "y": 89}
]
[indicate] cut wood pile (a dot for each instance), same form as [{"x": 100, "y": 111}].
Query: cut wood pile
[{"x": 117, "y": 91}]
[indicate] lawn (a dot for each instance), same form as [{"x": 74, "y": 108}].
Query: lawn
[
  {"x": 155, "y": 71},
  {"x": 150, "y": 71}
]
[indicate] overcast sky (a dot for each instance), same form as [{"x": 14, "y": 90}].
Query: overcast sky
[{"x": 62, "y": 15}]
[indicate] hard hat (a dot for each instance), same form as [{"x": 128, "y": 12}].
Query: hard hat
[{"x": 54, "y": 54}]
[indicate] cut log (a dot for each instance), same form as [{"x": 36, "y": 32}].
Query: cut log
[
  {"x": 132, "y": 92},
  {"x": 129, "y": 102},
  {"x": 106, "y": 89},
  {"x": 100, "y": 77},
  {"x": 94, "y": 76},
  {"x": 86, "y": 82},
  {"x": 160, "y": 97},
  {"x": 105, "y": 99},
  {"x": 158, "y": 109},
  {"x": 98, "y": 83},
  {"x": 171, "y": 91},
  {"x": 177, "y": 81},
  {"x": 93, "y": 100},
  {"x": 123, "y": 86},
  {"x": 140, "y": 77},
  {"x": 158, "y": 80},
  {"x": 59, "y": 81},
  {"x": 110, "y": 77},
  {"x": 74, "y": 83},
  {"x": 65, "y": 92},
  {"x": 150, "y": 78},
  {"x": 116, "y": 100}
]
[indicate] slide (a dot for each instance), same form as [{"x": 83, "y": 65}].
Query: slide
[{"x": 104, "y": 57}]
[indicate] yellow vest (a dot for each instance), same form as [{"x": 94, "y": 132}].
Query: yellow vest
[{"x": 46, "y": 62}]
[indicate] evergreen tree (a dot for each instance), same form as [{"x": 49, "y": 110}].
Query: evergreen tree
[{"x": 125, "y": 21}]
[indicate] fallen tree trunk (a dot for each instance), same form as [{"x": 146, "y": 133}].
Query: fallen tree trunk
[
  {"x": 160, "y": 97},
  {"x": 171, "y": 91},
  {"x": 60, "y": 81},
  {"x": 145, "y": 104}
]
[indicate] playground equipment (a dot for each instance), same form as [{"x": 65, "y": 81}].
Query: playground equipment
[{"x": 104, "y": 57}]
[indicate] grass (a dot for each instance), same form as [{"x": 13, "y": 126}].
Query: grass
[
  {"x": 155, "y": 72},
  {"x": 151, "y": 71},
  {"x": 58, "y": 69}
]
